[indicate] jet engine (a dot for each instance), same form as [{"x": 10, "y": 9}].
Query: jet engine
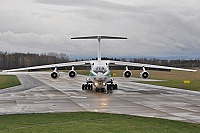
[
  {"x": 72, "y": 73},
  {"x": 144, "y": 74},
  {"x": 127, "y": 73},
  {"x": 55, "y": 74}
]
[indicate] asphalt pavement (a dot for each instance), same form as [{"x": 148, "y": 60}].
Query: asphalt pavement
[{"x": 41, "y": 94}]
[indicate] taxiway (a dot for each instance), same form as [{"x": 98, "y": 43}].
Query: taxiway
[{"x": 41, "y": 94}]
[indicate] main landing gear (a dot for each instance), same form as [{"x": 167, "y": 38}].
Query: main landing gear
[
  {"x": 111, "y": 86},
  {"x": 87, "y": 87}
]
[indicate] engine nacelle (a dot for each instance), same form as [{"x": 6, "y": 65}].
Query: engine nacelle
[
  {"x": 72, "y": 74},
  {"x": 55, "y": 75},
  {"x": 127, "y": 74},
  {"x": 144, "y": 74}
]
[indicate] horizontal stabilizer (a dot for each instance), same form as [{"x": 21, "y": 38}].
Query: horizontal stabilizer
[
  {"x": 86, "y": 37},
  {"x": 99, "y": 37},
  {"x": 112, "y": 37}
]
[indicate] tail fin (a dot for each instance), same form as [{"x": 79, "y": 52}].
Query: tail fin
[{"x": 99, "y": 40}]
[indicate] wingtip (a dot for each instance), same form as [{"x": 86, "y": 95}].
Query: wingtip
[{"x": 193, "y": 71}]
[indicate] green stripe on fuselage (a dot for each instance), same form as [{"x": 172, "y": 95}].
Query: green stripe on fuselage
[{"x": 91, "y": 74}]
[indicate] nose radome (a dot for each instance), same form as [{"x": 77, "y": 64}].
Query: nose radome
[{"x": 100, "y": 76}]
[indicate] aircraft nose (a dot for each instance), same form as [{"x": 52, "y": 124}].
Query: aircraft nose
[{"x": 100, "y": 76}]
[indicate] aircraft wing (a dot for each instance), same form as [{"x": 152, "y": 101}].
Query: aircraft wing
[
  {"x": 79, "y": 63},
  {"x": 148, "y": 66},
  {"x": 111, "y": 62}
]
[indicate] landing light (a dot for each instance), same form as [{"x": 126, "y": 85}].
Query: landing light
[{"x": 96, "y": 83}]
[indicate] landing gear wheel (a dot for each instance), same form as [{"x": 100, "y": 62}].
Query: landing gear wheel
[
  {"x": 102, "y": 90},
  {"x": 86, "y": 86},
  {"x": 83, "y": 86},
  {"x": 108, "y": 87},
  {"x": 114, "y": 86},
  {"x": 97, "y": 90},
  {"x": 91, "y": 87}
]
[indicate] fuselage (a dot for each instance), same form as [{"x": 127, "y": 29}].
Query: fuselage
[{"x": 99, "y": 74}]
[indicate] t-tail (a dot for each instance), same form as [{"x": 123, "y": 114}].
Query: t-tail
[{"x": 99, "y": 40}]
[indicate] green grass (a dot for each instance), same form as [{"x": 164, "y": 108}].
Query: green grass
[
  {"x": 8, "y": 81},
  {"x": 176, "y": 79},
  {"x": 83, "y": 72},
  {"x": 86, "y": 122}
]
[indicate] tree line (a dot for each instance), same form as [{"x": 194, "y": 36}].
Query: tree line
[
  {"x": 18, "y": 60},
  {"x": 172, "y": 63}
]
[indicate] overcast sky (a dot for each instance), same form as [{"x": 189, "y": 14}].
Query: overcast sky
[{"x": 154, "y": 27}]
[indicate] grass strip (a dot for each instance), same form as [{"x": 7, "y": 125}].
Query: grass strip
[
  {"x": 8, "y": 81},
  {"x": 85, "y": 122}
]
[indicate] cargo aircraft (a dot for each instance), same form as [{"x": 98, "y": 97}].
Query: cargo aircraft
[{"x": 100, "y": 78}]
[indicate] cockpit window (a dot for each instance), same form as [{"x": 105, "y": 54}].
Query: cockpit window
[{"x": 100, "y": 69}]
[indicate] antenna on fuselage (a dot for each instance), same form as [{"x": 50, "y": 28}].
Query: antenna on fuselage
[{"x": 99, "y": 41}]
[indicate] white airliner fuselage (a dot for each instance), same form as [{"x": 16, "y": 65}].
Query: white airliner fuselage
[{"x": 99, "y": 77}]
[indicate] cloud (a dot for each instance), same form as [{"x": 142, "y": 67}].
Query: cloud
[
  {"x": 31, "y": 42},
  {"x": 86, "y": 3},
  {"x": 153, "y": 28}
]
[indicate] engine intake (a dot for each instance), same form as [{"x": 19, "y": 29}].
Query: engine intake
[
  {"x": 144, "y": 74},
  {"x": 127, "y": 74},
  {"x": 72, "y": 74},
  {"x": 55, "y": 75}
]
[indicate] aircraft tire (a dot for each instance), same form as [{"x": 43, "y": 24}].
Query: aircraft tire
[
  {"x": 83, "y": 87},
  {"x": 108, "y": 87},
  {"x": 115, "y": 87},
  {"x": 91, "y": 87},
  {"x": 112, "y": 87},
  {"x": 86, "y": 86},
  {"x": 102, "y": 90}
]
